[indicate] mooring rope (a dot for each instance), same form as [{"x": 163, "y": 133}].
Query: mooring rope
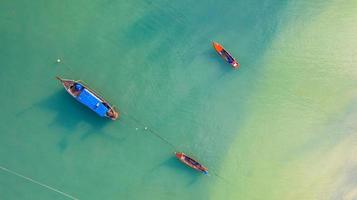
[
  {"x": 59, "y": 61},
  {"x": 220, "y": 177},
  {"x": 152, "y": 131},
  {"x": 155, "y": 133},
  {"x": 38, "y": 183}
]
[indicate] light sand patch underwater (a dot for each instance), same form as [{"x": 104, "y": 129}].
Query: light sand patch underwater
[{"x": 298, "y": 136}]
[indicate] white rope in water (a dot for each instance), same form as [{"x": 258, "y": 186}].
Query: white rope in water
[{"x": 38, "y": 183}]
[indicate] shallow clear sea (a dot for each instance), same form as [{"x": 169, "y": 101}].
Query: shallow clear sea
[{"x": 283, "y": 126}]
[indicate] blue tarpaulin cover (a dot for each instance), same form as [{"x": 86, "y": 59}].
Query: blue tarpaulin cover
[{"x": 91, "y": 101}]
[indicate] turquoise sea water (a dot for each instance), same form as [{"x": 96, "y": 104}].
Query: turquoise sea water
[{"x": 281, "y": 127}]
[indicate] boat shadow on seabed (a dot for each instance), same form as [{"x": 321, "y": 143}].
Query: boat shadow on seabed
[
  {"x": 73, "y": 118},
  {"x": 218, "y": 61}
]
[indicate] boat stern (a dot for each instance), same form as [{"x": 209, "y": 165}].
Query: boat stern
[
  {"x": 235, "y": 65},
  {"x": 115, "y": 115},
  {"x": 112, "y": 114}
]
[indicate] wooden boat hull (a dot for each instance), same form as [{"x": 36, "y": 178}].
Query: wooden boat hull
[
  {"x": 191, "y": 162},
  {"x": 225, "y": 55},
  {"x": 89, "y": 98}
]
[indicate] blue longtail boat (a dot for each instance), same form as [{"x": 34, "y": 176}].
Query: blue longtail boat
[{"x": 89, "y": 98}]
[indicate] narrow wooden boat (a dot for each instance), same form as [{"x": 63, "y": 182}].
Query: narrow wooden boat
[
  {"x": 89, "y": 98},
  {"x": 225, "y": 55},
  {"x": 191, "y": 162}
]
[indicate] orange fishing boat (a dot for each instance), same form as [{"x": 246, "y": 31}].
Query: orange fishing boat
[
  {"x": 89, "y": 98},
  {"x": 191, "y": 162},
  {"x": 225, "y": 55}
]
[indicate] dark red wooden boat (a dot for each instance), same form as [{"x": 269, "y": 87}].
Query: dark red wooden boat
[
  {"x": 89, "y": 98},
  {"x": 191, "y": 162}
]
